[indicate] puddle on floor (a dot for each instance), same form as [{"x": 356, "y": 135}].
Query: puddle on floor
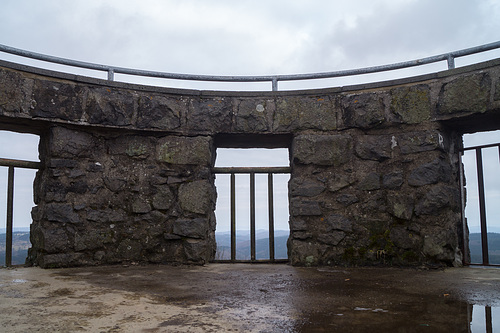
[{"x": 484, "y": 319}]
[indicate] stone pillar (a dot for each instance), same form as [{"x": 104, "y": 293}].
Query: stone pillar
[{"x": 105, "y": 198}]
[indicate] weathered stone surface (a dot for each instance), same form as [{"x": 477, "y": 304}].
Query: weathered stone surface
[
  {"x": 297, "y": 113},
  {"x": 210, "y": 115},
  {"x": 401, "y": 205},
  {"x": 415, "y": 142},
  {"x": 62, "y": 100},
  {"x": 392, "y": 180},
  {"x": 305, "y": 188},
  {"x": 338, "y": 222},
  {"x": 411, "y": 104},
  {"x": 55, "y": 240},
  {"x": 332, "y": 238},
  {"x": 134, "y": 146},
  {"x": 68, "y": 143},
  {"x": 185, "y": 150},
  {"x": 322, "y": 149},
  {"x": 16, "y": 92},
  {"x": 373, "y": 147},
  {"x": 339, "y": 181},
  {"x": 469, "y": 93},
  {"x": 347, "y": 199},
  {"x": 364, "y": 110},
  {"x": 61, "y": 212},
  {"x": 304, "y": 207},
  {"x": 164, "y": 199},
  {"x": 370, "y": 182},
  {"x": 437, "y": 198},
  {"x": 254, "y": 116},
  {"x": 109, "y": 106},
  {"x": 197, "y": 197},
  {"x": 430, "y": 173},
  {"x": 156, "y": 111},
  {"x": 405, "y": 239},
  {"x": 193, "y": 228},
  {"x": 140, "y": 205}
]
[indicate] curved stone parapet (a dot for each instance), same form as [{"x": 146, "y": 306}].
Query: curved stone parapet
[{"x": 126, "y": 169}]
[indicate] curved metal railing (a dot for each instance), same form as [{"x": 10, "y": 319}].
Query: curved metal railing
[{"x": 111, "y": 70}]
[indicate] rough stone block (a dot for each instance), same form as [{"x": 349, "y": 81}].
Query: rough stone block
[
  {"x": 392, "y": 180},
  {"x": 333, "y": 150},
  {"x": 197, "y": 197},
  {"x": 254, "y": 115},
  {"x": 374, "y": 147},
  {"x": 469, "y": 93},
  {"x": 61, "y": 212},
  {"x": 411, "y": 104},
  {"x": 68, "y": 143},
  {"x": 370, "y": 182},
  {"x": 106, "y": 106},
  {"x": 58, "y": 100},
  {"x": 305, "y": 188},
  {"x": 301, "y": 207},
  {"x": 185, "y": 150},
  {"x": 401, "y": 205},
  {"x": 299, "y": 113},
  {"x": 156, "y": 111},
  {"x": 430, "y": 173},
  {"x": 192, "y": 228},
  {"x": 364, "y": 110},
  {"x": 416, "y": 142}
]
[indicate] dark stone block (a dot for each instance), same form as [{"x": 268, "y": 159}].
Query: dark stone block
[
  {"x": 370, "y": 182},
  {"x": 303, "y": 207},
  {"x": 61, "y": 212},
  {"x": 374, "y": 147},
  {"x": 192, "y": 228},
  {"x": 347, "y": 199},
  {"x": 392, "y": 180},
  {"x": 338, "y": 222},
  {"x": 412, "y": 104},
  {"x": 365, "y": 110},
  {"x": 430, "y": 173},
  {"x": 470, "y": 93},
  {"x": 305, "y": 188},
  {"x": 322, "y": 149},
  {"x": 156, "y": 111}
]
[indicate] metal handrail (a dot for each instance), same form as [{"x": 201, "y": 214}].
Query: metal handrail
[{"x": 111, "y": 70}]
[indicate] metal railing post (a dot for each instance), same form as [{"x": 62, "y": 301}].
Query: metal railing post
[
  {"x": 270, "y": 196},
  {"x": 10, "y": 214},
  {"x": 482, "y": 206},
  {"x": 252, "y": 216},
  {"x": 233, "y": 217}
]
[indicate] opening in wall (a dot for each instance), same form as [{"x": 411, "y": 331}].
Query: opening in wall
[
  {"x": 481, "y": 161},
  {"x": 18, "y": 157},
  {"x": 252, "y": 204}
]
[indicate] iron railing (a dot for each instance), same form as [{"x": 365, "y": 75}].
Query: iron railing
[
  {"x": 12, "y": 164},
  {"x": 270, "y": 171},
  {"x": 274, "y": 79},
  {"x": 482, "y": 199}
]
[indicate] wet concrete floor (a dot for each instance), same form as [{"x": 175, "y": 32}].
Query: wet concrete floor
[{"x": 248, "y": 298}]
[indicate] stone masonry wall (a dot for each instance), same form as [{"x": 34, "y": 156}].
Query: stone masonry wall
[{"x": 126, "y": 169}]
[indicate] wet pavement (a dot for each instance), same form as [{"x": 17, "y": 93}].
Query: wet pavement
[{"x": 249, "y": 298}]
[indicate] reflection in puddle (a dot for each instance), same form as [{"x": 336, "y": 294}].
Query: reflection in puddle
[{"x": 484, "y": 318}]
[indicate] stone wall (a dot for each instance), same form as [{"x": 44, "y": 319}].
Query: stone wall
[{"x": 126, "y": 173}]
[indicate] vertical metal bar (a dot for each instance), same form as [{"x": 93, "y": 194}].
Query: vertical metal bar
[
  {"x": 487, "y": 313},
  {"x": 10, "y": 209},
  {"x": 111, "y": 74},
  {"x": 482, "y": 206},
  {"x": 465, "y": 236},
  {"x": 270, "y": 189},
  {"x": 252, "y": 216},
  {"x": 275, "y": 84},
  {"x": 451, "y": 61},
  {"x": 233, "y": 217}
]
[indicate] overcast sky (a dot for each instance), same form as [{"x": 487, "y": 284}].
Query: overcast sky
[{"x": 228, "y": 37}]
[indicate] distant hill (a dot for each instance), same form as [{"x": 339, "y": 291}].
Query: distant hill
[
  {"x": 493, "y": 248},
  {"x": 243, "y": 245},
  {"x": 20, "y": 245}
]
